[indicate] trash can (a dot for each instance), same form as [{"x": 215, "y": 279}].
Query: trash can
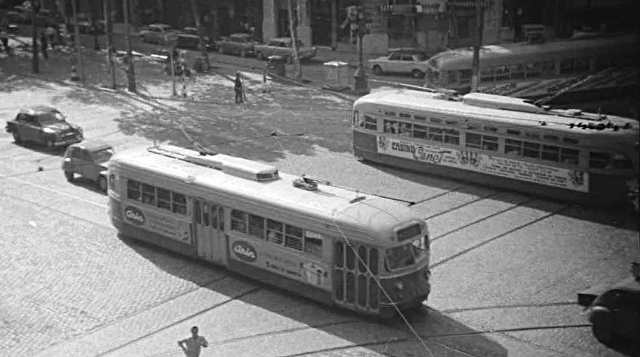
[
  {"x": 275, "y": 65},
  {"x": 337, "y": 75}
]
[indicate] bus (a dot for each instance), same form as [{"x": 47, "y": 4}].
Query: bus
[
  {"x": 500, "y": 141},
  {"x": 331, "y": 244},
  {"x": 530, "y": 63}
]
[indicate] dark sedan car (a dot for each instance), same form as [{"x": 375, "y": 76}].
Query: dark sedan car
[
  {"x": 238, "y": 44},
  {"x": 44, "y": 125}
]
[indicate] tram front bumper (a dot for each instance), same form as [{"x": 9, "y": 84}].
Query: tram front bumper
[{"x": 406, "y": 292}]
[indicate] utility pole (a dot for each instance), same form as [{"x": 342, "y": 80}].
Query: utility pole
[
  {"x": 201, "y": 43},
  {"x": 475, "y": 64},
  {"x": 109, "y": 29},
  {"x": 34, "y": 38},
  {"x": 294, "y": 39},
  {"x": 76, "y": 39},
  {"x": 358, "y": 30},
  {"x": 131, "y": 76}
]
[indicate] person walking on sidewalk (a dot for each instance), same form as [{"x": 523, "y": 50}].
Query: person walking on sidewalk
[
  {"x": 238, "y": 89},
  {"x": 191, "y": 346}
]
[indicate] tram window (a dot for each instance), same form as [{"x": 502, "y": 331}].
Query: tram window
[
  {"x": 148, "y": 194},
  {"x": 531, "y": 150},
  {"x": 275, "y": 231},
  {"x": 293, "y": 237},
  {"x": 390, "y": 126},
  {"x": 621, "y": 162},
  {"x": 419, "y": 131},
  {"x": 205, "y": 214},
  {"x": 569, "y": 156},
  {"x": 238, "y": 221},
  {"x": 197, "y": 213},
  {"x": 513, "y": 132},
  {"x": 373, "y": 261},
  {"x": 547, "y": 67},
  {"x": 339, "y": 285},
  {"x": 451, "y": 77},
  {"x": 464, "y": 75},
  {"x": 486, "y": 74},
  {"x": 312, "y": 245},
  {"x": 599, "y": 160},
  {"x": 351, "y": 287},
  {"x": 420, "y": 117},
  {"x": 221, "y": 218},
  {"x": 451, "y": 122},
  {"x": 214, "y": 216},
  {"x": 551, "y": 138},
  {"x": 436, "y": 120},
  {"x": 435, "y": 134},
  {"x": 473, "y": 140},
  {"x": 256, "y": 226},
  {"x": 570, "y": 140},
  {"x": 351, "y": 258},
  {"x": 489, "y": 143},
  {"x": 373, "y": 293},
  {"x": 362, "y": 261},
  {"x": 502, "y": 72},
  {"x": 452, "y": 136},
  {"x": 490, "y": 128},
  {"x": 516, "y": 71},
  {"x": 404, "y": 115},
  {"x": 550, "y": 153},
  {"x": 581, "y": 64},
  {"x": 532, "y": 135},
  {"x": 370, "y": 123},
  {"x": 339, "y": 257},
  {"x": 566, "y": 65},
  {"x": 400, "y": 257},
  {"x": 404, "y": 128},
  {"x": 179, "y": 203},
  {"x": 513, "y": 147},
  {"x": 133, "y": 190},
  {"x": 391, "y": 114},
  {"x": 533, "y": 69},
  {"x": 362, "y": 290},
  {"x": 164, "y": 198}
]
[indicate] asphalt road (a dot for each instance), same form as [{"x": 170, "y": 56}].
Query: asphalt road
[{"x": 506, "y": 267}]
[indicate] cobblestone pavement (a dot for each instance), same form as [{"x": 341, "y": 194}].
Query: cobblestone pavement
[{"x": 506, "y": 266}]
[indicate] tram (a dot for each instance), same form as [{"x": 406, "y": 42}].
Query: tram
[
  {"x": 518, "y": 62},
  {"x": 331, "y": 244},
  {"x": 501, "y": 141}
]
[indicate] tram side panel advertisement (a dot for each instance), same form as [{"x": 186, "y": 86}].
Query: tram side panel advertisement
[
  {"x": 576, "y": 180},
  {"x": 279, "y": 260},
  {"x": 165, "y": 225}
]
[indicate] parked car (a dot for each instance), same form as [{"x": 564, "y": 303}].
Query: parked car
[
  {"x": 45, "y": 125},
  {"x": 189, "y": 38},
  {"x": 615, "y": 314},
  {"x": 89, "y": 160},
  {"x": 281, "y": 46},
  {"x": 238, "y": 44},
  {"x": 400, "y": 62},
  {"x": 161, "y": 34}
]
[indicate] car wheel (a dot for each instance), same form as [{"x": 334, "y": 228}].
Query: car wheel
[
  {"x": 416, "y": 73},
  {"x": 16, "y": 138},
  {"x": 102, "y": 183},
  {"x": 377, "y": 70},
  {"x": 69, "y": 175}
]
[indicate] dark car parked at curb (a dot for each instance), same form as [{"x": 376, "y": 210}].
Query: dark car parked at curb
[
  {"x": 43, "y": 125},
  {"x": 89, "y": 160},
  {"x": 238, "y": 44}
]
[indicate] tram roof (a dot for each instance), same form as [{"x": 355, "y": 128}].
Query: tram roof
[
  {"x": 502, "y": 110},
  {"x": 328, "y": 202},
  {"x": 510, "y": 53}
]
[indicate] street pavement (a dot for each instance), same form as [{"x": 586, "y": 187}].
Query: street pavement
[{"x": 506, "y": 267}]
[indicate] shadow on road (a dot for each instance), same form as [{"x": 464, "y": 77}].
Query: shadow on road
[{"x": 441, "y": 334}]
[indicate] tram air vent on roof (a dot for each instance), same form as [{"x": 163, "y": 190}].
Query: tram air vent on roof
[
  {"x": 500, "y": 102},
  {"x": 250, "y": 170}
]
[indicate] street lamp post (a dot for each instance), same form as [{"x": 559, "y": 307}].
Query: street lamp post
[{"x": 360, "y": 76}]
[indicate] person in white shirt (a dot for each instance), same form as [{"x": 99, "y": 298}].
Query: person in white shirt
[{"x": 191, "y": 346}]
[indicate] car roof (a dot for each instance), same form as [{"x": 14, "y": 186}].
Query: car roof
[
  {"x": 38, "y": 109},
  {"x": 92, "y": 145}
]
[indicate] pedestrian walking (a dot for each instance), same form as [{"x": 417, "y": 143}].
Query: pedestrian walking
[
  {"x": 238, "y": 89},
  {"x": 44, "y": 45},
  {"x": 191, "y": 346}
]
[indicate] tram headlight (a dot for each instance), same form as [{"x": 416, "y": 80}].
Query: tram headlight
[{"x": 399, "y": 286}]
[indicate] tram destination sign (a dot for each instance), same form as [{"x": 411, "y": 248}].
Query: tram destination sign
[{"x": 576, "y": 180}]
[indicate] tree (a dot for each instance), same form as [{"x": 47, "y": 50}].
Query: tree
[
  {"x": 294, "y": 39},
  {"x": 201, "y": 43}
]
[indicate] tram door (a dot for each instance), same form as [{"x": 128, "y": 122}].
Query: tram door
[
  {"x": 209, "y": 231},
  {"x": 354, "y": 284}
]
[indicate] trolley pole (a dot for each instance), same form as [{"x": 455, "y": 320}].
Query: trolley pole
[{"x": 475, "y": 65}]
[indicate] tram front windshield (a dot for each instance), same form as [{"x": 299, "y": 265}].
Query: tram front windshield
[{"x": 406, "y": 255}]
